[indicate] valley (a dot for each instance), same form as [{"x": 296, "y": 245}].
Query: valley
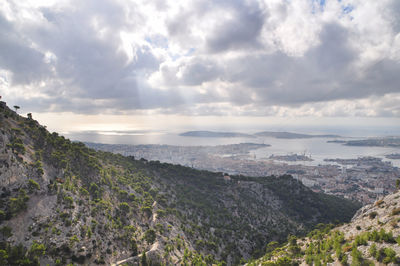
[
  {"x": 362, "y": 179},
  {"x": 62, "y": 202}
]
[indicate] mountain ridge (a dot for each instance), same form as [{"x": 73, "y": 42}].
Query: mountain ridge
[
  {"x": 277, "y": 134},
  {"x": 62, "y": 202}
]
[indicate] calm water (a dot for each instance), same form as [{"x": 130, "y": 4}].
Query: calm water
[{"x": 318, "y": 148}]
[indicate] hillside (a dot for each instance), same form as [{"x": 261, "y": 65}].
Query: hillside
[
  {"x": 62, "y": 202},
  {"x": 371, "y": 238}
]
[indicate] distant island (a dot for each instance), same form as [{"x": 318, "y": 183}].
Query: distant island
[
  {"x": 376, "y": 142},
  {"x": 372, "y": 142},
  {"x": 290, "y": 135},
  {"x": 337, "y": 141},
  {"x": 278, "y": 135},
  {"x": 393, "y": 156},
  {"x": 213, "y": 134}
]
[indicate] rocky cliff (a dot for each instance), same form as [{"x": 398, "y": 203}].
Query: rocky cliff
[{"x": 371, "y": 238}]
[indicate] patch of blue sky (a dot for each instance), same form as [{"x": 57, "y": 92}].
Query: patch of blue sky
[
  {"x": 157, "y": 41},
  {"x": 317, "y": 5},
  {"x": 174, "y": 57},
  {"x": 347, "y": 9},
  {"x": 190, "y": 52}
]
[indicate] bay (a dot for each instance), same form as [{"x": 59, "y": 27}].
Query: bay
[{"x": 317, "y": 148}]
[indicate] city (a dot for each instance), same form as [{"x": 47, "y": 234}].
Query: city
[{"x": 364, "y": 179}]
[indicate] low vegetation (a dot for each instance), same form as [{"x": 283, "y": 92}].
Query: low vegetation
[{"x": 77, "y": 205}]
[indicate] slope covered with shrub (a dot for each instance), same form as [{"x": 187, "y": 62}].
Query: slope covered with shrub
[
  {"x": 62, "y": 202},
  {"x": 371, "y": 238}
]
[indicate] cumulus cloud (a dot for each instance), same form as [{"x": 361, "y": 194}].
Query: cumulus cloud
[
  {"x": 26, "y": 63},
  {"x": 199, "y": 57}
]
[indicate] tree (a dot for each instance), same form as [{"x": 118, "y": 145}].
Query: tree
[
  {"x": 94, "y": 191},
  {"x": 373, "y": 250},
  {"x": 37, "y": 249},
  {"x": 357, "y": 256},
  {"x": 124, "y": 207},
  {"x": 150, "y": 236},
  {"x": 16, "y": 107},
  {"x": 390, "y": 256},
  {"x": 3, "y": 255},
  {"x": 33, "y": 185},
  {"x": 134, "y": 248},
  {"x": 398, "y": 183},
  {"x": 144, "y": 259}
]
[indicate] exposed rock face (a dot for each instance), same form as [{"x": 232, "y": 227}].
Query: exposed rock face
[
  {"x": 64, "y": 202},
  {"x": 371, "y": 238}
]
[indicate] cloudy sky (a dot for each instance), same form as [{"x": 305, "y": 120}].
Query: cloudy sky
[{"x": 127, "y": 65}]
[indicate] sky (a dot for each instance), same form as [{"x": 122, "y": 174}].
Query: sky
[{"x": 152, "y": 65}]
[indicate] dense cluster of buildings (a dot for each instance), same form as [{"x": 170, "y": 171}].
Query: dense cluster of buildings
[{"x": 363, "y": 179}]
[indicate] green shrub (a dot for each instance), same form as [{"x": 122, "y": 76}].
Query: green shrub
[
  {"x": 33, "y": 185},
  {"x": 3, "y": 257},
  {"x": 39, "y": 167},
  {"x": 161, "y": 213},
  {"x": 6, "y": 231},
  {"x": 73, "y": 239},
  {"x": 134, "y": 248},
  {"x": 387, "y": 237},
  {"x": 373, "y": 250},
  {"x": 89, "y": 232},
  {"x": 37, "y": 250},
  {"x": 147, "y": 210},
  {"x": 150, "y": 236},
  {"x": 372, "y": 215},
  {"x": 2, "y": 215},
  {"x": 143, "y": 260},
  {"x": 83, "y": 191},
  {"x": 124, "y": 208},
  {"x": 284, "y": 261},
  {"x": 17, "y": 146},
  {"x": 357, "y": 256},
  {"x": 94, "y": 191},
  {"x": 390, "y": 256},
  {"x": 123, "y": 195},
  {"x": 18, "y": 204},
  {"x": 69, "y": 201}
]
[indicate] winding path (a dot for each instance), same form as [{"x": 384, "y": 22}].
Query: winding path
[{"x": 126, "y": 260}]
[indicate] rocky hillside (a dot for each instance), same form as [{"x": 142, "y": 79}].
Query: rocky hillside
[
  {"x": 62, "y": 202},
  {"x": 371, "y": 238}
]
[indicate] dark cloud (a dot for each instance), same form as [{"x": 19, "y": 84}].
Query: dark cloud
[
  {"x": 89, "y": 57},
  {"x": 238, "y": 32},
  {"x": 92, "y": 64},
  {"x": 77, "y": 51},
  {"x": 199, "y": 72},
  {"x": 394, "y": 11},
  {"x": 325, "y": 73},
  {"x": 17, "y": 55}
]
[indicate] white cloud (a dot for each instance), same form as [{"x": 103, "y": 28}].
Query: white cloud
[{"x": 293, "y": 58}]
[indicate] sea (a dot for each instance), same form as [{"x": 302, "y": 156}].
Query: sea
[{"x": 316, "y": 148}]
